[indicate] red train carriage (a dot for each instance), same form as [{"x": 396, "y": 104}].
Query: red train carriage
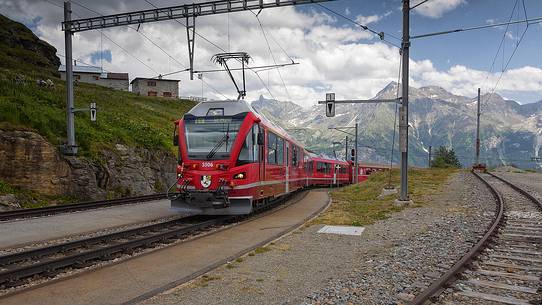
[
  {"x": 232, "y": 160},
  {"x": 326, "y": 172}
]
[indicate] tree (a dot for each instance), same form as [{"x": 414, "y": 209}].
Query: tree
[{"x": 444, "y": 158}]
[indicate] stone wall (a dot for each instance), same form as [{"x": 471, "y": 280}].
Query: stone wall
[{"x": 30, "y": 162}]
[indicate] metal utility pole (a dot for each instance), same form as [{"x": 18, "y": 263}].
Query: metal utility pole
[
  {"x": 429, "y": 160},
  {"x": 403, "y": 110},
  {"x": 185, "y": 11},
  {"x": 346, "y": 149},
  {"x": 478, "y": 131},
  {"x": 356, "y": 166},
  {"x": 70, "y": 148},
  {"x": 355, "y": 135}
]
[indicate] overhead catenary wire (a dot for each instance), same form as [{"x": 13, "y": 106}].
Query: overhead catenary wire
[
  {"x": 272, "y": 55},
  {"x": 220, "y": 48},
  {"x": 479, "y": 27},
  {"x": 109, "y": 38},
  {"x": 415, "y": 6},
  {"x": 83, "y": 62},
  {"x": 505, "y": 67},
  {"x": 138, "y": 30},
  {"x": 381, "y": 35}
]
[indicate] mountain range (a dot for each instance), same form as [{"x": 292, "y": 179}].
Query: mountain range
[{"x": 511, "y": 133}]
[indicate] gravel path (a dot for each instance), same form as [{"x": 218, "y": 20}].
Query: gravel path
[{"x": 392, "y": 260}]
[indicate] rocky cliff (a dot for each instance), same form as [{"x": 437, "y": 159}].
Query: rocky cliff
[
  {"x": 32, "y": 163},
  {"x": 22, "y": 47}
]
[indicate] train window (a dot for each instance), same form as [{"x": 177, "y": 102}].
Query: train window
[
  {"x": 211, "y": 138},
  {"x": 271, "y": 148},
  {"x": 321, "y": 167},
  {"x": 280, "y": 151},
  {"x": 295, "y": 155},
  {"x": 249, "y": 150}
]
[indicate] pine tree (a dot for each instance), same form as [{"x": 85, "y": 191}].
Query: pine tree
[{"x": 444, "y": 158}]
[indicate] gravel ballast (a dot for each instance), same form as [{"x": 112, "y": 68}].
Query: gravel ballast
[{"x": 388, "y": 264}]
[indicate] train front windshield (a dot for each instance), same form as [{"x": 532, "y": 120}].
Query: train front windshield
[{"x": 211, "y": 138}]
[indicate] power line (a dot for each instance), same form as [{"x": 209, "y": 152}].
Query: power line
[
  {"x": 500, "y": 44},
  {"x": 511, "y": 55},
  {"x": 415, "y": 6},
  {"x": 218, "y": 47},
  {"x": 479, "y": 27},
  {"x": 272, "y": 56},
  {"x": 158, "y": 46},
  {"x": 80, "y": 61},
  {"x": 381, "y": 35},
  {"x": 109, "y": 38}
]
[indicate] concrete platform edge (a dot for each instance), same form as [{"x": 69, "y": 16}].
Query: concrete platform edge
[{"x": 274, "y": 238}]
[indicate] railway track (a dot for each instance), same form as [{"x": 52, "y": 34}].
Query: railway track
[
  {"x": 505, "y": 266},
  {"x": 18, "y": 268},
  {"x": 52, "y": 210}
]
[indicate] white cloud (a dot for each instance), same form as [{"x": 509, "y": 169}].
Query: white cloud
[
  {"x": 437, "y": 8},
  {"x": 345, "y": 60},
  {"x": 365, "y": 20}
]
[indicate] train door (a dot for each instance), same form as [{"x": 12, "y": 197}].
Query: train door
[
  {"x": 287, "y": 166},
  {"x": 261, "y": 151},
  {"x": 335, "y": 169}
]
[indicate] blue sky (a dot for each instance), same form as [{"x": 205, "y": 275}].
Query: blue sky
[
  {"x": 333, "y": 53},
  {"x": 475, "y": 49}
]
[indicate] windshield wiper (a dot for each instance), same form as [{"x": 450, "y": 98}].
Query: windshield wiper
[{"x": 219, "y": 144}]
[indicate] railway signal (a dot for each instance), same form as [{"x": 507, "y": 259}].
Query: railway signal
[
  {"x": 93, "y": 112},
  {"x": 330, "y": 105}
]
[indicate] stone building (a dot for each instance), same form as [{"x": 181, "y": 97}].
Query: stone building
[
  {"x": 156, "y": 87},
  {"x": 95, "y": 75}
]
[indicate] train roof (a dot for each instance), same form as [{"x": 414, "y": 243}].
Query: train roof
[
  {"x": 326, "y": 159},
  {"x": 233, "y": 107}
]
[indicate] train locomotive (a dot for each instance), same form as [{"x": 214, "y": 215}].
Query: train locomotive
[{"x": 233, "y": 161}]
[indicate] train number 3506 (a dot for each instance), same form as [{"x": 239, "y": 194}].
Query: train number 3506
[{"x": 207, "y": 164}]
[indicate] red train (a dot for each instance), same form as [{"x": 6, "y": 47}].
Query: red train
[{"x": 232, "y": 161}]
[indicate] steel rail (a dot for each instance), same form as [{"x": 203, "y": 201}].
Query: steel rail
[
  {"x": 519, "y": 190},
  {"x": 26, "y": 213},
  {"x": 47, "y": 266},
  {"x": 437, "y": 286},
  {"x": 49, "y": 250}
]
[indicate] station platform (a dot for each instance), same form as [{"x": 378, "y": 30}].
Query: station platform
[{"x": 27, "y": 231}]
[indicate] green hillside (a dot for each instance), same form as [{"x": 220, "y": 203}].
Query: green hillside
[{"x": 123, "y": 117}]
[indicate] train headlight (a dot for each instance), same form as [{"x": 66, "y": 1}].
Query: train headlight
[
  {"x": 242, "y": 175},
  {"x": 179, "y": 175}
]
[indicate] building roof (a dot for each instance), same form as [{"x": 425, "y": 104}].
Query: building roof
[
  {"x": 96, "y": 70},
  {"x": 155, "y": 79},
  {"x": 82, "y": 69}
]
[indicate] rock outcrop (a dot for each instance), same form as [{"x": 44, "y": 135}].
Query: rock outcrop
[
  {"x": 25, "y": 45},
  {"x": 30, "y": 162}
]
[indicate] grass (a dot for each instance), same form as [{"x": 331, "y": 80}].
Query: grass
[
  {"x": 358, "y": 205},
  {"x": 205, "y": 279},
  {"x": 261, "y": 250},
  {"x": 123, "y": 117},
  {"x": 31, "y": 199}
]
